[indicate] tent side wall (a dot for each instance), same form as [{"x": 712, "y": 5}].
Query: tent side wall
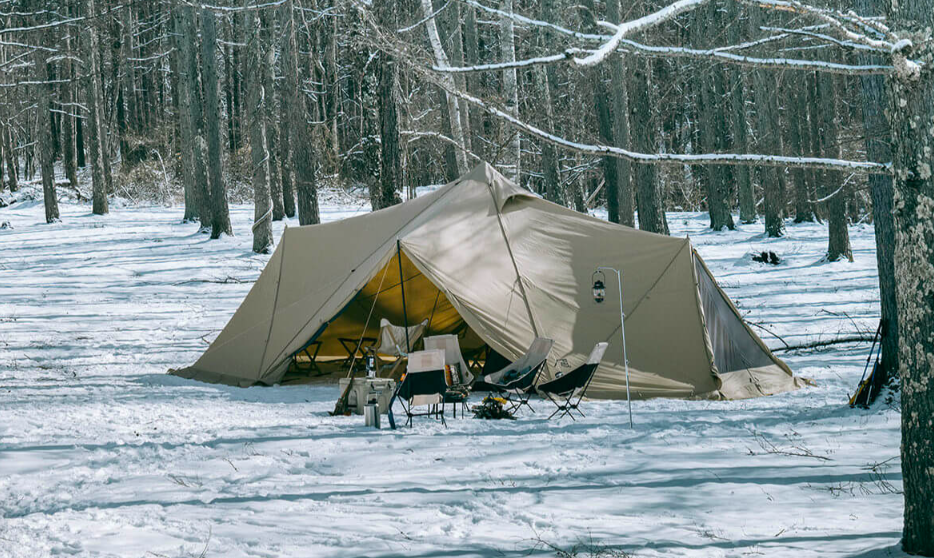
[
  {"x": 746, "y": 366},
  {"x": 313, "y": 274},
  {"x": 234, "y": 358}
]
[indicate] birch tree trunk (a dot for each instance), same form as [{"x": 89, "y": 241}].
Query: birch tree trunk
[
  {"x": 513, "y": 153},
  {"x": 455, "y": 109},
  {"x": 220, "y": 214},
  {"x": 302, "y": 146},
  {"x": 256, "y": 109},
  {"x": 911, "y": 106},
  {"x": 95, "y": 102},
  {"x": 46, "y": 152}
]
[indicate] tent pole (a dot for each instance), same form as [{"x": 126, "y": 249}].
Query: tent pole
[
  {"x": 622, "y": 330},
  {"x": 405, "y": 317}
]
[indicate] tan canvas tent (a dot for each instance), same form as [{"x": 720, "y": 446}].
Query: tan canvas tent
[{"x": 485, "y": 258}]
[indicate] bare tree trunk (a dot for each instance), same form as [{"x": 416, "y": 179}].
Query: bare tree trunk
[
  {"x": 46, "y": 152},
  {"x": 877, "y": 131},
  {"x": 334, "y": 98},
  {"x": 544, "y": 79},
  {"x": 620, "y": 98},
  {"x": 69, "y": 162},
  {"x": 739, "y": 126},
  {"x": 190, "y": 114},
  {"x": 95, "y": 128},
  {"x": 220, "y": 214},
  {"x": 302, "y": 146},
  {"x": 390, "y": 175},
  {"x": 256, "y": 101},
  {"x": 472, "y": 58},
  {"x": 911, "y": 101},
  {"x": 286, "y": 164},
  {"x": 451, "y": 103},
  {"x": 712, "y": 127},
  {"x": 6, "y": 136},
  {"x": 272, "y": 127},
  {"x": 643, "y": 129},
  {"x": 551, "y": 169},
  {"x": 513, "y": 159},
  {"x": 605, "y": 121},
  {"x": 797, "y": 131},
  {"x": 767, "y": 138},
  {"x": 235, "y": 87},
  {"x": 127, "y": 110},
  {"x": 833, "y": 184}
]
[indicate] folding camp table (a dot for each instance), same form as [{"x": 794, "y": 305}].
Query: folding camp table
[
  {"x": 312, "y": 363},
  {"x": 350, "y": 345}
]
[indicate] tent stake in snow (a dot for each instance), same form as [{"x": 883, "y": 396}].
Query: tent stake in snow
[{"x": 599, "y": 295}]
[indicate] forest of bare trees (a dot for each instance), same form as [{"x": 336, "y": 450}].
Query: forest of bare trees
[{"x": 772, "y": 111}]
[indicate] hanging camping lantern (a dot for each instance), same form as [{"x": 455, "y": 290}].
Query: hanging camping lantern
[{"x": 599, "y": 288}]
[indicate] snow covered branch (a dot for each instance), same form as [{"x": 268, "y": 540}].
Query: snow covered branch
[
  {"x": 751, "y": 61},
  {"x": 748, "y": 159},
  {"x": 720, "y": 54},
  {"x": 637, "y": 25},
  {"x": 833, "y": 17}
]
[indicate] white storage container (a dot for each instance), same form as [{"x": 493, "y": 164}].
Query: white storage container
[{"x": 357, "y": 399}]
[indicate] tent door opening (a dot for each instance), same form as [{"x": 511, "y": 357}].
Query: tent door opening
[{"x": 397, "y": 292}]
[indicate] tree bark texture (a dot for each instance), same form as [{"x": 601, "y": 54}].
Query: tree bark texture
[
  {"x": 220, "y": 213},
  {"x": 256, "y": 109},
  {"x": 46, "y": 149},
  {"x": 911, "y": 106},
  {"x": 95, "y": 128},
  {"x": 303, "y": 156}
]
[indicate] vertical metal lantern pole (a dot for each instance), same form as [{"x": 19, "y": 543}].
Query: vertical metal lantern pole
[{"x": 622, "y": 330}]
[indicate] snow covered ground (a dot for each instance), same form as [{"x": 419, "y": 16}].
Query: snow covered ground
[{"x": 103, "y": 454}]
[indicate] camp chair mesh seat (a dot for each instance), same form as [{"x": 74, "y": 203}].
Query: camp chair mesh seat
[
  {"x": 460, "y": 371},
  {"x": 516, "y": 381},
  {"x": 562, "y": 390},
  {"x": 422, "y": 385}
]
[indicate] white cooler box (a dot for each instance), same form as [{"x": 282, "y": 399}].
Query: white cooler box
[{"x": 363, "y": 386}]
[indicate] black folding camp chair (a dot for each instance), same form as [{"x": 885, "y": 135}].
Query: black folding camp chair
[
  {"x": 422, "y": 385},
  {"x": 562, "y": 390},
  {"x": 516, "y": 382}
]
